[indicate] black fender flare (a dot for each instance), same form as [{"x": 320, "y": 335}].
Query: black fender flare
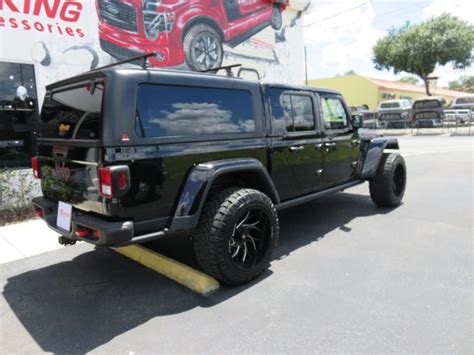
[
  {"x": 372, "y": 154},
  {"x": 199, "y": 182}
]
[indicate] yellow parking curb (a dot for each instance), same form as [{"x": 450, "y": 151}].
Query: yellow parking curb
[{"x": 183, "y": 274}]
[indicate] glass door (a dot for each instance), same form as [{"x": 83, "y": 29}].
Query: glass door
[{"x": 18, "y": 114}]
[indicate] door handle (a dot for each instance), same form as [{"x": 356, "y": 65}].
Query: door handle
[
  {"x": 330, "y": 146},
  {"x": 296, "y": 148}
]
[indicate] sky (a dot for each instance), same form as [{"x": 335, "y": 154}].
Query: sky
[{"x": 340, "y": 34}]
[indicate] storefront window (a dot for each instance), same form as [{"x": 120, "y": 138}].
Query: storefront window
[{"x": 18, "y": 114}]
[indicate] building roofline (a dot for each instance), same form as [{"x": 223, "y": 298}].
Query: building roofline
[{"x": 396, "y": 85}]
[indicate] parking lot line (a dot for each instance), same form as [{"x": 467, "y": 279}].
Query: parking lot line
[{"x": 181, "y": 273}]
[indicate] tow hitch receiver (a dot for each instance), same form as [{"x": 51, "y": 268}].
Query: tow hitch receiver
[{"x": 65, "y": 241}]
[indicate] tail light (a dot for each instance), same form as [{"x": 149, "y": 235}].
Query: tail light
[
  {"x": 105, "y": 182},
  {"x": 122, "y": 180},
  {"x": 87, "y": 233},
  {"x": 35, "y": 165},
  {"x": 83, "y": 232},
  {"x": 39, "y": 213},
  {"x": 114, "y": 181}
]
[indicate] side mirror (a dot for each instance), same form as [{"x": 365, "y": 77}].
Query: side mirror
[{"x": 358, "y": 121}]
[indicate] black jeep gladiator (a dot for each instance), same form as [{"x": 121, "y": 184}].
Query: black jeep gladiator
[{"x": 130, "y": 155}]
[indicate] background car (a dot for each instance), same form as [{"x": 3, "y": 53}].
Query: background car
[
  {"x": 461, "y": 109},
  {"x": 428, "y": 112},
  {"x": 394, "y": 113},
  {"x": 394, "y": 105},
  {"x": 459, "y": 116}
]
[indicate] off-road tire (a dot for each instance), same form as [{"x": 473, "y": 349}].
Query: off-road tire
[
  {"x": 216, "y": 225},
  {"x": 277, "y": 18},
  {"x": 190, "y": 40},
  {"x": 388, "y": 186}
]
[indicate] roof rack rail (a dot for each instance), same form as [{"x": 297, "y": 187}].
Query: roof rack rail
[
  {"x": 250, "y": 70},
  {"x": 143, "y": 58},
  {"x": 227, "y": 68}
]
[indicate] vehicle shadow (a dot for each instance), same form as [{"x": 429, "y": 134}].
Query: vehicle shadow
[
  {"x": 81, "y": 304},
  {"x": 308, "y": 223}
]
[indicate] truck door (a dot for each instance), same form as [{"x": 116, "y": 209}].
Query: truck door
[
  {"x": 341, "y": 143},
  {"x": 297, "y": 159},
  {"x": 247, "y": 7},
  {"x": 238, "y": 9}
]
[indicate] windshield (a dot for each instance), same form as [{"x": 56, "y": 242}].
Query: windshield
[{"x": 72, "y": 114}]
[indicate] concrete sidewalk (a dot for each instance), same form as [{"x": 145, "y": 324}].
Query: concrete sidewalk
[{"x": 26, "y": 239}]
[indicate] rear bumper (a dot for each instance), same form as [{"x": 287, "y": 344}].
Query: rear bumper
[{"x": 103, "y": 232}]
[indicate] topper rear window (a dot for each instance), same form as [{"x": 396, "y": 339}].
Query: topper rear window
[
  {"x": 427, "y": 104},
  {"x": 73, "y": 113}
]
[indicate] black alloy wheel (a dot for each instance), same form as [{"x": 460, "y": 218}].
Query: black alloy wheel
[
  {"x": 387, "y": 188},
  {"x": 236, "y": 235},
  {"x": 398, "y": 181},
  {"x": 250, "y": 238}
]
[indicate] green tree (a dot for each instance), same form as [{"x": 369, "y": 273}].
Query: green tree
[
  {"x": 409, "y": 80},
  {"x": 465, "y": 84},
  {"x": 418, "y": 49},
  {"x": 348, "y": 72}
]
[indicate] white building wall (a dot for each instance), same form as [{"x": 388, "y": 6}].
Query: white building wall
[{"x": 62, "y": 48}]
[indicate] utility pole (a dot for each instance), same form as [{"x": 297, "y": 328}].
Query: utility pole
[{"x": 306, "y": 65}]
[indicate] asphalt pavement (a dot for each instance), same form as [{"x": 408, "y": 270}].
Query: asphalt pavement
[{"x": 347, "y": 277}]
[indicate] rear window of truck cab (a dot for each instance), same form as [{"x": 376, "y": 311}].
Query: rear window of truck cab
[
  {"x": 387, "y": 105},
  {"x": 176, "y": 111},
  {"x": 73, "y": 113}
]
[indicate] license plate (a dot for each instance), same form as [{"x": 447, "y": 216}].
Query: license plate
[{"x": 64, "y": 216}]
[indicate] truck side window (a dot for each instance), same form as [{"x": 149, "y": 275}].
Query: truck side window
[
  {"x": 292, "y": 110},
  {"x": 169, "y": 110},
  {"x": 298, "y": 112},
  {"x": 285, "y": 102},
  {"x": 334, "y": 113},
  {"x": 304, "y": 113}
]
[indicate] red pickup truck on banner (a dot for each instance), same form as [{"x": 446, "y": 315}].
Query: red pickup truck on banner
[{"x": 191, "y": 32}]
